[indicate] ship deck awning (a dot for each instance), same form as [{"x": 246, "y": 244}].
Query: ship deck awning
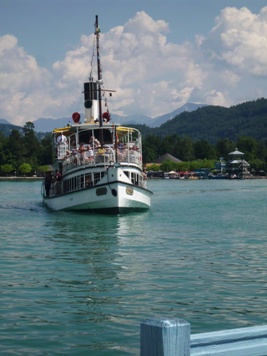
[
  {"x": 65, "y": 130},
  {"x": 125, "y": 129}
]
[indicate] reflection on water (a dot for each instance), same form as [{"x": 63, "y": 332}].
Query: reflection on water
[{"x": 81, "y": 284}]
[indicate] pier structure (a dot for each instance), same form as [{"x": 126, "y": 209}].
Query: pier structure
[{"x": 171, "y": 337}]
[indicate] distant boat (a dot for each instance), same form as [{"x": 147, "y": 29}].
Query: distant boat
[{"x": 98, "y": 164}]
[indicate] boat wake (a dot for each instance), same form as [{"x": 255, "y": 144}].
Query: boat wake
[{"x": 30, "y": 206}]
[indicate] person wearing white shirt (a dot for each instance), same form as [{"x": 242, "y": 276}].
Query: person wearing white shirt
[
  {"x": 61, "y": 138},
  {"x": 61, "y": 145}
]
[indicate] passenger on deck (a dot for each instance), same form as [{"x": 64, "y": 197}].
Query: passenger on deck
[
  {"x": 89, "y": 155},
  {"x": 94, "y": 142},
  {"x": 121, "y": 146},
  {"x": 61, "y": 145},
  {"x": 144, "y": 174},
  {"x": 81, "y": 151},
  {"x": 81, "y": 147},
  {"x": 61, "y": 138},
  {"x": 48, "y": 181},
  {"x": 58, "y": 178}
]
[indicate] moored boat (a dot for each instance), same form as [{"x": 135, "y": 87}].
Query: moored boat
[{"x": 97, "y": 164}]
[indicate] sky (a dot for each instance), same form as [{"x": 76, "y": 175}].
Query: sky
[{"x": 157, "y": 54}]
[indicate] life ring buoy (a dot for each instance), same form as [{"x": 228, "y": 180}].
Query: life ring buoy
[
  {"x": 106, "y": 116},
  {"x": 76, "y": 117}
]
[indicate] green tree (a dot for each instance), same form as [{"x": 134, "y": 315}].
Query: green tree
[
  {"x": 32, "y": 146},
  {"x": 151, "y": 148},
  {"x": 262, "y": 151},
  {"x": 203, "y": 149},
  {"x": 25, "y": 168},
  {"x": 15, "y": 148},
  {"x": 182, "y": 166},
  {"x": 168, "y": 165},
  {"x": 45, "y": 152},
  {"x": 249, "y": 146},
  {"x": 169, "y": 144},
  {"x": 153, "y": 167},
  {"x": 185, "y": 150},
  {"x": 258, "y": 165},
  {"x": 224, "y": 147},
  {"x": 7, "y": 168},
  {"x": 3, "y": 141}
]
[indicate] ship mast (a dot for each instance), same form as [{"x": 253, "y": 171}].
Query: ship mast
[{"x": 99, "y": 75}]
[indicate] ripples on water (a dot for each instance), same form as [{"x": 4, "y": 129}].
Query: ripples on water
[{"x": 81, "y": 284}]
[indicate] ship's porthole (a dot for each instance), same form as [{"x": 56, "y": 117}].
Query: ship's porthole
[
  {"x": 101, "y": 191},
  {"x": 129, "y": 191},
  {"x": 114, "y": 192}
]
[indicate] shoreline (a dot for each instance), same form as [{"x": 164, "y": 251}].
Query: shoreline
[
  {"x": 21, "y": 178},
  {"x": 14, "y": 178}
]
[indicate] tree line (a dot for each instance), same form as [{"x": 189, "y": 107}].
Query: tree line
[
  {"x": 201, "y": 153},
  {"x": 24, "y": 152}
]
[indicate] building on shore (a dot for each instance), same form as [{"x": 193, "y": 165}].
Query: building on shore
[
  {"x": 167, "y": 157},
  {"x": 236, "y": 166}
]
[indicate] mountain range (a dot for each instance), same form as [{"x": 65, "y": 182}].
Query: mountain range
[
  {"x": 199, "y": 122},
  {"x": 47, "y": 125}
]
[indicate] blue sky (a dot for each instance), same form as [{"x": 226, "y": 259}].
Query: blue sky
[{"x": 158, "y": 54}]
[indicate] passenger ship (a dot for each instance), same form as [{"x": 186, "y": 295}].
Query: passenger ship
[{"x": 99, "y": 163}]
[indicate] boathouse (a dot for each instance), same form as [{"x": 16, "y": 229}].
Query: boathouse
[{"x": 237, "y": 167}]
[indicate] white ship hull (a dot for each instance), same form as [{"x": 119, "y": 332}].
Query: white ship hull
[
  {"x": 108, "y": 196},
  {"x": 87, "y": 200}
]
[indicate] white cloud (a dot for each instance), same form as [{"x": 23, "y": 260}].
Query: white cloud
[
  {"x": 23, "y": 85},
  {"x": 151, "y": 75},
  {"x": 241, "y": 42},
  {"x": 149, "y": 67},
  {"x": 215, "y": 98}
]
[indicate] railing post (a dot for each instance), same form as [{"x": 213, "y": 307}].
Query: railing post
[{"x": 165, "y": 337}]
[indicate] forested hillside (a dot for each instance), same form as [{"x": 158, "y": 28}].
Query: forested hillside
[
  {"x": 209, "y": 123},
  {"x": 212, "y": 123},
  {"x": 205, "y": 134},
  {"x": 6, "y": 129}
]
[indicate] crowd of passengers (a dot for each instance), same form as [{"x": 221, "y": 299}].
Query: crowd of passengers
[{"x": 85, "y": 152}]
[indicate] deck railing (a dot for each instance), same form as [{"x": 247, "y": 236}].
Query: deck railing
[
  {"x": 100, "y": 156},
  {"x": 171, "y": 337}
]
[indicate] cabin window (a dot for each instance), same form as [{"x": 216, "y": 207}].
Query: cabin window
[
  {"x": 98, "y": 176},
  {"x": 88, "y": 180},
  {"x": 82, "y": 181},
  {"x": 66, "y": 186},
  {"x": 134, "y": 178},
  {"x": 77, "y": 185}
]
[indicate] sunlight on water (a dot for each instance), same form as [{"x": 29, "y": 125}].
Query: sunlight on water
[{"x": 81, "y": 284}]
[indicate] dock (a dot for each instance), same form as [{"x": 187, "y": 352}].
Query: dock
[{"x": 171, "y": 337}]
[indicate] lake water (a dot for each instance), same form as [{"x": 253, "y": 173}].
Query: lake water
[{"x": 77, "y": 284}]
